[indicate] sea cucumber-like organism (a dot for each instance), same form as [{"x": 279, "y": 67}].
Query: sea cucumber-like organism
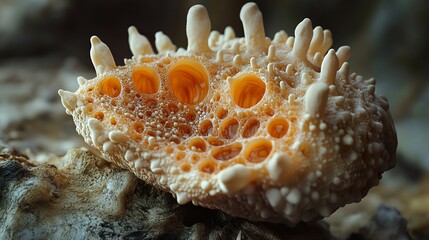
[{"x": 266, "y": 129}]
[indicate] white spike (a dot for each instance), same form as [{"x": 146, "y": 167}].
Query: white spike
[
  {"x": 270, "y": 68},
  {"x": 318, "y": 58},
  {"x": 69, "y": 100},
  {"x": 229, "y": 33},
  {"x": 316, "y": 99},
  {"x": 303, "y": 35},
  {"x": 271, "y": 53},
  {"x": 213, "y": 38},
  {"x": 219, "y": 56},
  {"x": 289, "y": 69},
  {"x": 253, "y": 63},
  {"x": 139, "y": 44},
  {"x": 344, "y": 71},
  {"x": 329, "y": 68},
  {"x": 101, "y": 56},
  {"x": 283, "y": 89},
  {"x": 81, "y": 81},
  {"x": 280, "y": 37},
  {"x": 316, "y": 40},
  {"x": 238, "y": 60},
  {"x": 253, "y": 25},
  {"x": 327, "y": 41},
  {"x": 343, "y": 54},
  {"x": 198, "y": 29},
  {"x": 163, "y": 43}
]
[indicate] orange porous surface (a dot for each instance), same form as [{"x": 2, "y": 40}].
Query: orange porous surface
[{"x": 272, "y": 130}]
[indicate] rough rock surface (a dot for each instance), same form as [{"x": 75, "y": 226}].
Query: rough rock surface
[{"x": 81, "y": 196}]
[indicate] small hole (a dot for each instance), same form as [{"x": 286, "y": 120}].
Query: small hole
[
  {"x": 148, "y": 113},
  {"x": 221, "y": 113},
  {"x": 185, "y": 130},
  {"x": 190, "y": 116},
  {"x": 175, "y": 140},
  {"x": 227, "y": 152},
  {"x": 113, "y": 102},
  {"x": 180, "y": 156},
  {"x": 206, "y": 127},
  {"x": 136, "y": 137},
  {"x": 98, "y": 115},
  {"x": 173, "y": 108},
  {"x": 229, "y": 128},
  {"x": 89, "y": 99},
  {"x": 113, "y": 121},
  {"x": 197, "y": 145},
  {"x": 207, "y": 166},
  {"x": 151, "y": 133},
  {"x": 150, "y": 103},
  {"x": 250, "y": 128},
  {"x": 145, "y": 80},
  {"x": 214, "y": 141},
  {"x": 110, "y": 86},
  {"x": 278, "y": 127},
  {"x": 186, "y": 167},
  {"x": 247, "y": 90},
  {"x": 169, "y": 150},
  {"x": 269, "y": 112},
  {"x": 189, "y": 81},
  {"x": 258, "y": 150},
  {"x": 127, "y": 89},
  {"x": 138, "y": 127}
]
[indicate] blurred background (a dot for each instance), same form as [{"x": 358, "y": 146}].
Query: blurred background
[{"x": 44, "y": 46}]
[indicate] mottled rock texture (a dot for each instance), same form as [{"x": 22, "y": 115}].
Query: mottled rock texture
[{"x": 81, "y": 196}]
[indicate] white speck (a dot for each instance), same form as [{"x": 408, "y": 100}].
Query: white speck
[{"x": 294, "y": 196}]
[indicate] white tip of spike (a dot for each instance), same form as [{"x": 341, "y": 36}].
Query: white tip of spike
[
  {"x": 316, "y": 99},
  {"x": 280, "y": 37},
  {"x": 163, "y": 43},
  {"x": 253, "y": 25},
  {"x": 229, "y": 33},
  {"x": 344, "y": 71},
  {"x": 327, "y": 41},
  {"x": 303, "y": 36},
  {"x": 343, "y": 54},
  {"x": 329, "y": 68},
  {"x": 198, "y": 29},
  {"x": 139, "y": 44},
  {"x": 316, "y": 40},
  {"x": 81, "y": 80},
  {"x": 101, "y": 57},
  {"x": 69, "y": 100}
]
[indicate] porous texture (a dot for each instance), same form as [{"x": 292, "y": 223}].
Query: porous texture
[
  {"x": 268, "y": 130},
  {"x": 89, "y": 198}
]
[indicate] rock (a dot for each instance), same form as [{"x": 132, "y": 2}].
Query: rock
[{"x": 82, "y": 196}]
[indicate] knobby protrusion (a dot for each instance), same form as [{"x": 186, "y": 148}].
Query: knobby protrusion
[
  {"x": 69, "y": 100},
  {"x": 253, "y": 25},
  {"x": 280, "y": 37},
  {"x": 198, "y": 29},
  {"x": 303, "y": 36},
  {"x": 327, "y": 41},
  {"x": 316, "y": 40},
  {"x": 343, "y": 54},
  {"x": 139, "y": 44},
  {"x": 229, "y": 33},
  {"x": 101, "y": 57},
  {"x": 81, "y": 80},
  {"x": 163, "y": 43},
  {"x": 316, "y": 99},
  {"x": 329, "y": 68}
]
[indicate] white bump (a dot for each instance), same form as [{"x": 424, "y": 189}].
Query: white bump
[
  {"x": 108, "y": 146},
  {"x": 182, "y": 198},
  {"x": 81, "y": 80},
  {"x": 68, "y": 99},
  {"x": 280, "y": 37},
  {"x": 234, "y": 178},
  {"x": 278, "y": 166},
  {"x": 294, "y": 196},
  {"x": 343, "y": 54},
  {"x": 130, "y": 156},
  {"x": 329, "y": 68},
  {"x": 274, "y": 197},
  {"x": 347, "y": 140},
  {"x": 316, "y": 40},
  {"x": 163, "y": 43},
  {"x": 303, "y": 35},
  {"x": 316, "y": 99},
  {"x": 118, "y": 137},
  {"x": 229, "y": 33}
]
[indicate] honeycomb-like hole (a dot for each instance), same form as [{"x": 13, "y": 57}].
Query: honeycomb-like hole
[
  {"x": 173, "y": 107},
  {"x": 180, "y": 155},
  {"x": 206, "y": 127},
  {"x": 278, "y": 127},
  {"x": 229, "y": 128},
  {"x": 186, "y": 167},
  {"x": 258, "y": 150},
  {"x": 207, "y": 166},
  {"x": 247, "y": 90},
  {"x": 98, "y": 115},
  {"x": 190, "y": 116},
  {"x": 197, "y": 145},
  {"x": 175, "y": 140},
  {"x": 250, "y": 128},
  {"x": 214, "y": 141},
  {"x": 221, "y": 113},
  {"x": 185, "y": 130},
  {"x": 227, "y": 152},
  {"x": 151, "y": 103},
  {"x": 110, "y": 86},
  {"x": 138, "y": 127},
  {"x": 189, "y": 81},
  {"x": 113, "y": 121},
  {"x": 145, "y": 80}
]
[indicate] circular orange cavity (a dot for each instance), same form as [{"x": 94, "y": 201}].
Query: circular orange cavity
[
  {"x": 206, "y": 127},
  {"x": 250, "y": 128},
  {"x": 227, "y": 152},
  {"x": 98, "y": 115},
  {"x": 188, "y": 81},
  {"x": 145, "y": 80},
  {"x": 197, "y": 145},
  {"x": 110, "y": 86},
  {"x": 258, "y": 150},
  {"x": 207, "y": 166},
  {"x": 278, "y": 127},
  {"x": 247, "y": 90},
  {"x": 138, "y": 127},
  {"x": 229, "y": 128}
]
